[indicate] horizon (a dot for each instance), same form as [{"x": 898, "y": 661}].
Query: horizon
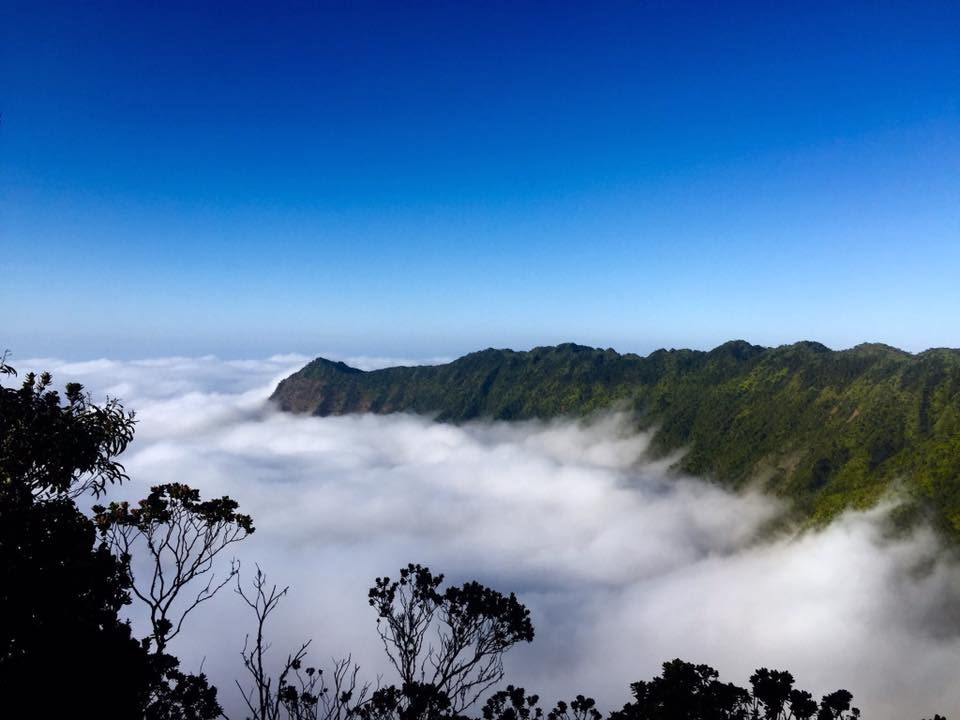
[{"x": 375, "y": 361}]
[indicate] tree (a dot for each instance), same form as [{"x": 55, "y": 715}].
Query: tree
[
  {"x": 512, "y": 704},
  {"x": 581, "y": 708},
  {"x": 60, "y": 628},
  {"x": 298, "y": 693},
  {"x": 774, "y": 696},
  {"x": 473, "y": 627},
  {"x": 56, "y": 450},
  {"x": 180, "y": 535},
  {"x": 62, "y": 592},
  {"x": 175, "y": 695},
  {"x": 835, "y": 706},
  {"x": 686, "y": 691}
]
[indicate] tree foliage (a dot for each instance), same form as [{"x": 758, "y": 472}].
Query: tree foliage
[
  {"x": 63, "y": 590},
  {"x": 447, "y": 642},
  {"x": 57, "y": 449},
  {"x": 180, "y": 536},
  {"x": 60, "y": 600},
  {"x": 685, "y": 691}
]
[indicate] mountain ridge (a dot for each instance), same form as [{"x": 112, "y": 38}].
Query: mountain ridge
[{"x": 826, "y": 429}]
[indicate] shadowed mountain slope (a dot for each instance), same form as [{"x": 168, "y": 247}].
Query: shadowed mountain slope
[{"x": 826, "y": 429}]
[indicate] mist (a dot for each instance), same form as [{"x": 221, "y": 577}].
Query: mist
[{"x": 622, "y": 565}]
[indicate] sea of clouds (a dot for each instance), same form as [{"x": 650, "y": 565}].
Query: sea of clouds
[{"x": 622, "y": 566}]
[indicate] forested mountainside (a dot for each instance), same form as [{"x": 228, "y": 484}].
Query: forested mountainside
[{"x": 827, "y": 429}]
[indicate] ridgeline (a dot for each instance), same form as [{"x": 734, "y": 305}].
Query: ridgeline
[{"x": 827, "y": 429}]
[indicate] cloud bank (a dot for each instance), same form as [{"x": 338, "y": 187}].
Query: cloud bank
[{"x": 622, "y": 567}]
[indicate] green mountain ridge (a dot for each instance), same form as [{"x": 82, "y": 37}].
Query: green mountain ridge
[{"x": 826, "y": 429}]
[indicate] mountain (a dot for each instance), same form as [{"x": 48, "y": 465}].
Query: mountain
[{"x": 827, "y": 429}]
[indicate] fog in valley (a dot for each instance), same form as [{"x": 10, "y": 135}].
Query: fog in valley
[{"x": 621, "y": 566}]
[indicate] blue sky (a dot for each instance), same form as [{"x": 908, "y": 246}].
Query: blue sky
[{"x": 422, "y": 179}]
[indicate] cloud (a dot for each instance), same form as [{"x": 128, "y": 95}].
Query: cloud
[
  {"x": 375, "y": 362},
  {"x": 621, "y": 566}
]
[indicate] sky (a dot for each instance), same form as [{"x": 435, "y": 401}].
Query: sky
[{"x": 426, "y": 179}]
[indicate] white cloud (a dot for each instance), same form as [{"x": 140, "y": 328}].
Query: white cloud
[
  {"x": 375, "y": 362},
  {"x": 621, "y": 567}
]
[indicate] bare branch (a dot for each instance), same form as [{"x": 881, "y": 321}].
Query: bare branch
[{"x": 182, "y": 537}]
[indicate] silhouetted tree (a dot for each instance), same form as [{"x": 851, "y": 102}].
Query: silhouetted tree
[
  {"x": 179, "y": 536},
  {"x": 687, "y": 691},
  {"x": 60, "y": 594},
  {"x": 175, "y": 695},
  {"x": 63, "y": 647},
  {"x": 58, "y": 450},
  {"x": 581, "y": 708},
  {"x": 410, "y": 701},
  {"x": 774, "y": 696},
  {"x": 692, "y": 692},
  {"x": 295, "y": 692},
  {"x": 835, "y": 706},
  {"x": 512, "y": 704},
  {"x": 446, "y": 645}
]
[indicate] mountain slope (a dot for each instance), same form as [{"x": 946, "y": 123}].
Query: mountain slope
[{"x": 827, "y": 429}]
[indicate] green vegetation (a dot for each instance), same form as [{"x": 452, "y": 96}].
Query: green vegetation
[{"x": 829, "y": 430}]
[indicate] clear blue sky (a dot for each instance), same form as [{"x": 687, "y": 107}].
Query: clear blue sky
[{"x": 422, "y": 179}]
